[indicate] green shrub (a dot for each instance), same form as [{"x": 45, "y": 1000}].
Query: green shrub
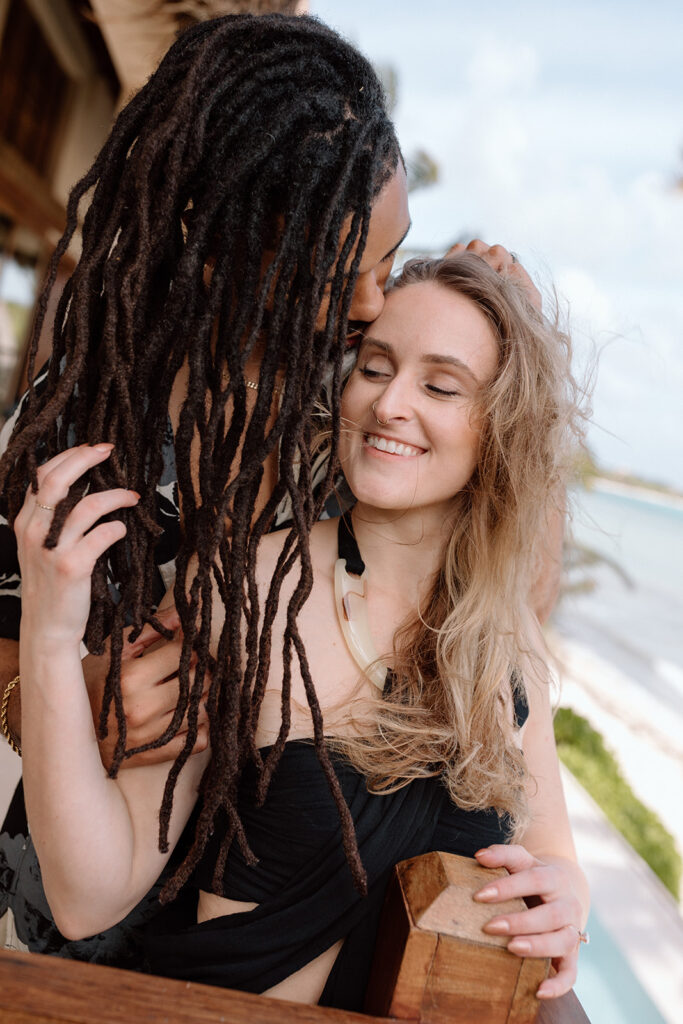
[{"x": 583, "y": 751}]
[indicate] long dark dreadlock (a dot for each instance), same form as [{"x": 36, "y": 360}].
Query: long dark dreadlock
[{"x": 255, "y": 134}]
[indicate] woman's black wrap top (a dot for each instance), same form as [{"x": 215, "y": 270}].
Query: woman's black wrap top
[{"x": 302, "y": 882}]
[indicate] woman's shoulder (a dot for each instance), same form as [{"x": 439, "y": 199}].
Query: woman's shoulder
[{"x": 322, "y": 544}]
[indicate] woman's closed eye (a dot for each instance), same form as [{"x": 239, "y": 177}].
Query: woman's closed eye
[
  {"x": 372, "y": 374},
  {"x": 441, "y": 392}
]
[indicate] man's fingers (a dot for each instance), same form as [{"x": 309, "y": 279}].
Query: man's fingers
[
  {"x": 169, "y": 752},
  {"x": 168, "y": 617},
  {"x": 160, "y": 662},
  {"x": 504, "y": 262},
  {"x": 149, "y": 715}
]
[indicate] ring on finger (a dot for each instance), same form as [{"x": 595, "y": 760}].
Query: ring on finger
[
  {"x": 583, "y": 935},
  {"x": 48, "y": 508}
]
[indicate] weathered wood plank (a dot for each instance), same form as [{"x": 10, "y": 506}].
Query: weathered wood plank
[
  {"x": 565, "y": 1010},
  {"x": 38, "y": 989},
  {"x": 46, "y": 990}
]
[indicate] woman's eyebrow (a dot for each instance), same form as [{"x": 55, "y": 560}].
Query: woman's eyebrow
[
  {"x": 440, "y": 359},
  {"x": 384, "y": 346}
]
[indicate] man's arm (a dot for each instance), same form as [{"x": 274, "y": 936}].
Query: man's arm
[{"x": 150, "y": 695}]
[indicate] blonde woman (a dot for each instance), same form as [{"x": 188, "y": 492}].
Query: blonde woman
[{"x": 425, "y": 658}]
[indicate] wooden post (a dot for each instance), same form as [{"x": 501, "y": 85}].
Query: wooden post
[{"x": 434, "y": 964}]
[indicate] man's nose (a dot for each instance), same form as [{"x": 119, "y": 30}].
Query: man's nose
[{"x": 368, "y": 298}]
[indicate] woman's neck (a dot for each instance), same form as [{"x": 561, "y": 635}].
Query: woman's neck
[{"x": 402, "y": 549}]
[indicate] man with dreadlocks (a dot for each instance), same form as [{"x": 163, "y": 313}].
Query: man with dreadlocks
[{"x": 247, "y": 204}]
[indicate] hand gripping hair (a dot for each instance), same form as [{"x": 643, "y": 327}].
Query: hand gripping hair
[{"x": 251, "y": 149}]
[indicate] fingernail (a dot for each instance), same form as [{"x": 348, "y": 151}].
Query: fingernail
[
  {"x": 519, "y": 946},
  {"x": 489, "y": 893},
  {"x": 543, "y": 993},
  {"x": 497, "y": 927},
  {"x": 138, "y": 496},
  {"x": 103, "y": 447}
]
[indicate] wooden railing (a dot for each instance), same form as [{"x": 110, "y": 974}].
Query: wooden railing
[
  {"x": 38, "y": 989},
  {"x": 433, "y": 966}
]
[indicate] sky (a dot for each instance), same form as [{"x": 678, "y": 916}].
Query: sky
[{"x": 559, "y": 133}]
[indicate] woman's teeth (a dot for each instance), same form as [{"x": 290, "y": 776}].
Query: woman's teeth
[{"x": 393, "y": 447}]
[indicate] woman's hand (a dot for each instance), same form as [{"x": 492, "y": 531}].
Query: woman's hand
[
  {"x": 499, "y": 258},
  {"x": 56, "y": 583},
  {"x": 553, "y": 928}
]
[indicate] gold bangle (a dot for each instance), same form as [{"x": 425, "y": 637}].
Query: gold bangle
[{"x": 4, "y": 725}]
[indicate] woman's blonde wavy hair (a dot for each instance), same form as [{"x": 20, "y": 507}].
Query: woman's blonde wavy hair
[{"x": 447, "y": 713}]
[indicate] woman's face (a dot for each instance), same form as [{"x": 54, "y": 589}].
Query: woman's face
[
  {"x": 410, "y": 433},
  {"x": 389, "y": 224}
]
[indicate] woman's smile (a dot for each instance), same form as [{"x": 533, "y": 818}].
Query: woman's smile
[{"x": 384, "y": 445}]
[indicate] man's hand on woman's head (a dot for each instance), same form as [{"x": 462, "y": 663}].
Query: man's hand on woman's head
[{"x": 505, "y": 262}]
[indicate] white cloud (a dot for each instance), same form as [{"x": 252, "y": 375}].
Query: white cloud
[{"x": 496, "y": 68}]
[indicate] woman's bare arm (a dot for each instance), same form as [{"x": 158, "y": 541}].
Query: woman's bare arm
[
  {"x": 96, "y": 838},
  {"x": 545, "y": 865}
]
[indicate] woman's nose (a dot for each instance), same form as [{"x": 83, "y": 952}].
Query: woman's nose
[
  {"x": 368, "y": 297},
  {"x": 392, "y": 404}
]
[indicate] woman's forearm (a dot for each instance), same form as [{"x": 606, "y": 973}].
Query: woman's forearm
[
  {"x": 78, "y": 817},
  {"x": 96, "y": 838}
]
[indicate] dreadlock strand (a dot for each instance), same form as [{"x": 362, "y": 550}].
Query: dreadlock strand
[{"x": 254, "y": 135}]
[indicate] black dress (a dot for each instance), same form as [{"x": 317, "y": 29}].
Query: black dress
[{"x": 302, "y": 882}]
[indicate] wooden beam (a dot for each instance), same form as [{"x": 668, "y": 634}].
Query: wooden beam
[
  {"x": 38, "y": 989},
  {"x": 26, "y": 197}
]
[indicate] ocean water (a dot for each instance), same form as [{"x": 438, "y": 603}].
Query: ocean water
[{"x": 630, "y": 606}]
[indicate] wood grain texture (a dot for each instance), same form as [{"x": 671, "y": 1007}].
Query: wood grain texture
[
  {"x": 38, "y": 989},
  {"x": 565, "y": 1010},
  {"x": 444, "y": 969},
  {"x": 45, "y": 990}
]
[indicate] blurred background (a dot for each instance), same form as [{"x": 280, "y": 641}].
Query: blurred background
[{"x": 558, "y": 132}]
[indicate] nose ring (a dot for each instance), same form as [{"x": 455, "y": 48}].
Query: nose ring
[{"x": 382, "y": 423}]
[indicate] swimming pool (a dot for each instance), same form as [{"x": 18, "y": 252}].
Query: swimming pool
[{"x": 607, "y": 988}]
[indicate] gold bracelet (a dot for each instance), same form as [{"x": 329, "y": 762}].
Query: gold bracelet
[{"x": 4, "y": 725}]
